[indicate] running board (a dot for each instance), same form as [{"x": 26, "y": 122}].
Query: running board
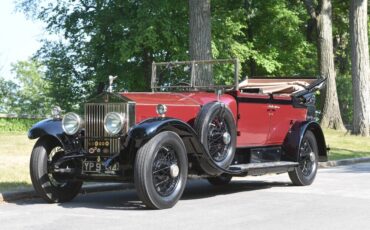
[{"x": 256, "y": 169}]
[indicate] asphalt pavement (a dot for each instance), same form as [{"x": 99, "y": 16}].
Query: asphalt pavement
[{"x": 338, "y": 199}]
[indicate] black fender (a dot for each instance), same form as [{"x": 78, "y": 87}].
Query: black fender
[
  {"x": 294, "y": 138},
  {"x": 141, "y": 133},
  {"x": 50, "y": 128}
]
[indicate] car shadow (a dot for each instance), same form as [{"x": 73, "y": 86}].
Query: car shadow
[{"x": 128, "y": 199}]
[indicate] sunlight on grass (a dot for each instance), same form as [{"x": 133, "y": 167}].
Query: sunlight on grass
[
  {"x": 15, "y": 153},
  {"x": 344, "y": 145}
]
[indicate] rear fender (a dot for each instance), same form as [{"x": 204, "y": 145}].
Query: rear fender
[{"x": 294, "y": 139}]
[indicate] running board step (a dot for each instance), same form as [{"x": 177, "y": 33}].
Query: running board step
[{"x": 256, "y": 169}]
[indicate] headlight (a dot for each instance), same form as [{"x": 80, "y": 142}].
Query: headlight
[
  {"x": 71, "y": 123},
  {"x": 113, "y": 122}
]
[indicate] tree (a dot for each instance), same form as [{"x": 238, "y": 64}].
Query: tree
[
  {"x": 360, "y": 67},
  {"x": 323, "y": 21},
  {"x": 32, "y": 95},
  {"x": 110, "y": 37},
  {"x": 200, "y": 39},
  {"x": 8, "y": 95}
]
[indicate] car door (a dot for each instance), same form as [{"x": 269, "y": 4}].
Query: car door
[
  {"x": 282, "y": 116},
  {"x": 253, "y": 119}
]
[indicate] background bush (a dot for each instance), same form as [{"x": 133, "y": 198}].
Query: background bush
[{"x": 16, "y": 124}]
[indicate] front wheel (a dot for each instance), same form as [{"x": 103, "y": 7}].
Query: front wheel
[
  {"x": 305, "y": 173},
  {"x": 50, "y": 186},
  {"x": 161, "y": 169}
]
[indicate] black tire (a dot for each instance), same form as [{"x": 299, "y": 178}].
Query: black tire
[
  {"x": 305, "y": 173},
  {"x": 47, "y": 184},
  {"x": 223, "y": 179},
  {"x": 203, "y": 125},
  {"x": 156, "y": 185}
]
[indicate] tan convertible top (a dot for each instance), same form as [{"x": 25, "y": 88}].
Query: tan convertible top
[{"x": 275, "y": 85}]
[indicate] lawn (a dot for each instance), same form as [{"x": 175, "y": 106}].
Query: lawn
[
  {"x": 343, "y": 145},
  {"x": 15, "y": 150}
]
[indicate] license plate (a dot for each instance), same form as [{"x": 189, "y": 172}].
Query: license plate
[{"x": 91, "y": 167}]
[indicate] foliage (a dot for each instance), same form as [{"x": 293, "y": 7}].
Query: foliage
[
  {"x": 94, "y": 39},
  {"x": 32, "y": 96},
  {"x": 8, "y": 95},
  {"x": 16, "y": 124},
  {"x": 123, "y": 37}
]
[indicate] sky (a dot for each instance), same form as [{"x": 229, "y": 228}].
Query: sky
[{"x": 19, "y": 37}]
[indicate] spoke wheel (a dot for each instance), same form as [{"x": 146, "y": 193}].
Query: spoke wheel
[
  {"x": 218, "y": 144},
  {"x": 161, "y": 168},
  {"x": 216, "y": 128},
  {"x": 50, "y": 186},
  {"x": 305, "y": 173},
  {"x": 165, "y": 171}
]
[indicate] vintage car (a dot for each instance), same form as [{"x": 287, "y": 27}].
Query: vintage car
[{"x": 158, "y": 139}]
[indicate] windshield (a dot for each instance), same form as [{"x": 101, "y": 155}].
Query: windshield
[{"x": 195, "y": 75}]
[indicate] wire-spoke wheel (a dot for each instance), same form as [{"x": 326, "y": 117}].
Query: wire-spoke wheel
[
  {"x": 305, "y": 173},
  {"x": 161, "y": 169},
  {"x": 52, "y": 187},
  {"x": 217, "y": 131}
]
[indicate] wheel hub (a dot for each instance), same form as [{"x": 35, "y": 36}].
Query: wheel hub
[
  {"x": 312, "y": 156},
  {"x": 174, "y": 170},
  {"x": 226, "y": 137}
]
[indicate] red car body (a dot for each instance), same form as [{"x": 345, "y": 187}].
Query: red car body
[{"x": 258, "y": 124}]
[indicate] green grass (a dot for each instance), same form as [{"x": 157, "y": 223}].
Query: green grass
[
  {"x": 343, "y": 145},
  {"x": 15, "y": 150}
]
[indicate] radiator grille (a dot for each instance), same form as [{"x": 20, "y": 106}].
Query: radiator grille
[{"x": 94, "y": 124}]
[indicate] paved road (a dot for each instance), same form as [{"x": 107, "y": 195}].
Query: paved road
[{"x": 338, "y": 199}]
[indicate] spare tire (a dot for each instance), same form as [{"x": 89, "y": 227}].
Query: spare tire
[{"x": 216, "y": 129}]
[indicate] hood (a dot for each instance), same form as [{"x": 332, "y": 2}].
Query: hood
[{"x": 184, "y": 106}]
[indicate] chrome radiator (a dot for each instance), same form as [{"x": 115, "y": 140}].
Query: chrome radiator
[{"x": 96, "y": 138}]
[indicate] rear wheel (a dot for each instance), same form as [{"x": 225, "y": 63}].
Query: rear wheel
[
  {"x": 50, "y": 186},
  {"x": 161, "y": 169},
  {"x": 305, "y": 173}
]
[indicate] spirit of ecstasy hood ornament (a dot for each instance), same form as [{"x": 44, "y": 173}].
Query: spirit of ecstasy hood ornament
[{"x": 111, "y": 79}]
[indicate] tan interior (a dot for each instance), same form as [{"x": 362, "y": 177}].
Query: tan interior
[{"x": 276, "y": 86}]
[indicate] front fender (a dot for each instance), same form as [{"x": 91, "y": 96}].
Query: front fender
[
  {"x": 51, "y": 128},
  {"x": 294, "y": 139},
  {"x": 144, "y": 131}
]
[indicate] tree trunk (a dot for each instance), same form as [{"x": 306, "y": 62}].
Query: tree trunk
[
  {"x": 200, "y": 39},
  {"x": 360, "y": 67},
  {"x": 331, "y": 114}
]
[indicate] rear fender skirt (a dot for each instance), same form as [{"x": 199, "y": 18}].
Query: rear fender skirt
[
  {"x": 51, "y": 128},
  {"x": 294, "y": 138},
  {"x": 141, "y": 133}
]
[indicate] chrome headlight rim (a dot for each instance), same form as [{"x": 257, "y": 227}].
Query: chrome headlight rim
[
  {"x": 121, "y": 118},
  {"x": 78, "y": 120}
]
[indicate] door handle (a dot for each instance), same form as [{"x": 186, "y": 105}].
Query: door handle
[{"x": 273, "y": 107}]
